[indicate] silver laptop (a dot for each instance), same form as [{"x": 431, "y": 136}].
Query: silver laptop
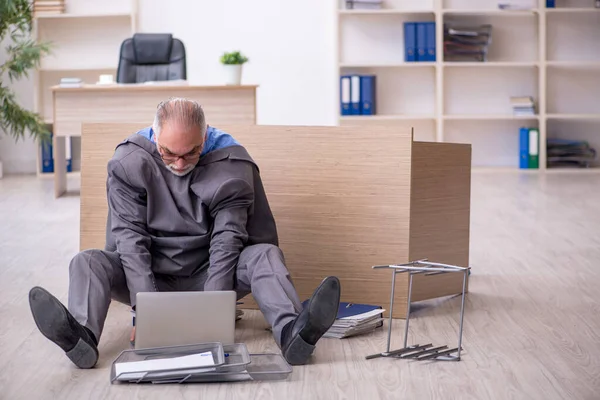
[{"x": 181, "y": 318}]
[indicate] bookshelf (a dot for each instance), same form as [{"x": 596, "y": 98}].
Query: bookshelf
[
  {"x": 86, "y": 39},
  {"x": 550, "y": 54}
]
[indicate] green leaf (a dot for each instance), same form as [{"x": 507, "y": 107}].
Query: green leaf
[
  {"x": 23, "y": 55},
  {"x": 234, "y": 57}
]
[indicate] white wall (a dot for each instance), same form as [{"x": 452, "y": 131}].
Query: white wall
[
  {"x": 291, "y": 46},
  {"x": 17, "y": 157}
]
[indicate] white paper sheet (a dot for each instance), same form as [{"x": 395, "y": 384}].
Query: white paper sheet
[{"x": 137, "y": 369}]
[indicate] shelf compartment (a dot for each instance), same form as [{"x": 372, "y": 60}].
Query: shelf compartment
[
  {"x": 494, "y": 143},
  {"x": 393, "y": 7},
  {"x": 486, "y": 92},
  {"x": 571, "y": 93},
  {"x": 75, "y": 52},
  {"x": 87, "y": 7},
  {"x": 368, "y": 39},
  {"x": 506, "y": 32},
  {"x": 410, "y": 91},
  {"x": 564, "y": 30},
  {"x": 586, "y": 130}
]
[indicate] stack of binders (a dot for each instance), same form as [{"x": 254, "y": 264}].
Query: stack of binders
[
  {"x": 358, "y": 94},
  {"x": 466, "y": 43},
  {"x": 419, "y": 42}
]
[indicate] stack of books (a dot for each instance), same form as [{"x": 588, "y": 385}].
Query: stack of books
[
  {"x": 70, "y": 82},
  {"x": 466, "y": 43},
  {"x": 355, "y": 319},
  {"x": 364, "y": 4},
  {"x": 522, "y": 105},
  {"x": 569, "y": 153},
  {"x": 44, "y": 7}
]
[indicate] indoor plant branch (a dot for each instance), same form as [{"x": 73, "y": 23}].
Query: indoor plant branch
[{"x": 23, "y": 54}]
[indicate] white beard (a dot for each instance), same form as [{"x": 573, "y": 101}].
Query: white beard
[{"x": 184, "y": 172}]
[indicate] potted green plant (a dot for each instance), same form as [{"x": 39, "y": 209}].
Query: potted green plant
[
  {"x": 233, "y": 63},
  {"x": 22, "y": 54}
]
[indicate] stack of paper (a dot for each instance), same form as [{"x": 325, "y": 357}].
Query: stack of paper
[
  {"x": 355, "y": 319},
  {"x": 569, "y": 153},
  {"x": 466, "y": 42},
  {"x": 522, "y": 105},
  {"x": 165, "y": 367},
  {"x": 71, "y": 82}
]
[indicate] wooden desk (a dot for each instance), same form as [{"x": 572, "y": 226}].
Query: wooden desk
[{"x": 137, "y": 103}]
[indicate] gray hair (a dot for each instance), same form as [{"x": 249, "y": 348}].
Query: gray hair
[{"x": 183, "y": 111}]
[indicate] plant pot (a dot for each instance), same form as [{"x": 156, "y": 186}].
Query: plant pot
[{"x": 233, "y": 74}]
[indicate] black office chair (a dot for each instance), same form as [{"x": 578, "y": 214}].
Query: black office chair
[{"x": 151, "y": 57}]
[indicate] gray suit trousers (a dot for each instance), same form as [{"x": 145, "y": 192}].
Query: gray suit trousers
[{"x": 96, "y": 277}]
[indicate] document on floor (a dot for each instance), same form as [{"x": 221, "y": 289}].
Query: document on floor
[
  {"x": 354, "y": 319},
  {"x": 165, "y": 367}
]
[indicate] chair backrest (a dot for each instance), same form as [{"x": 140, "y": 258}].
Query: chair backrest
[
  {"x": 151, "y": 57},
  {"x": 344, "y": 199}
]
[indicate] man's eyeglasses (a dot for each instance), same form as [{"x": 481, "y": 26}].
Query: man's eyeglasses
[{"x": 169, "y": 157}]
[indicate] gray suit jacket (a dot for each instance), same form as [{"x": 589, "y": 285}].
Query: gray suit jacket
[{"x": 160, "y": 223}]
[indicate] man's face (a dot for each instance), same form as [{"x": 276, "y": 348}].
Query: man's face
[{"x": 179, "y": 147}]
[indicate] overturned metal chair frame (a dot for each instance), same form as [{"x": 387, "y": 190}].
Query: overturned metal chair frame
[{"x": 426, "y": 351}]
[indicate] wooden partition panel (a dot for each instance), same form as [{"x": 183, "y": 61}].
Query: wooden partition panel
[
  {"x": 98, "y": 143},
  {"x": 439, "y": 217},
  {"x": 340, "y": 196}
]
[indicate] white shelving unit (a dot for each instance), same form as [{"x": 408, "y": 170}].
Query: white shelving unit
[
  {"x": 86, "y": 40},
  {"x": 552, "y": 55}
]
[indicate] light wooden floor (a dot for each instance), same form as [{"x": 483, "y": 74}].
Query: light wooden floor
[{"x": 532, "y": 325}]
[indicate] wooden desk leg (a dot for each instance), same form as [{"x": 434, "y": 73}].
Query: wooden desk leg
[{"x": 60, "y": 166}]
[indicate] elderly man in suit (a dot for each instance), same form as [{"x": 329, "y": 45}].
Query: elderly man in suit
[{"x": 187, "y": 211}]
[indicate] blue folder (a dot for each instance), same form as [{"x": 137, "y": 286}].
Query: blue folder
[
  {"x": 368, "y": 94},
  {"x": 524, "y": 148},
  {"x": 410, "y": 41},
  {"x": 351, "y": 309},
  {"x": 430, "y": 41},
  {"x": 345, "y": 95},
  {"x": 421, "y": 41}
]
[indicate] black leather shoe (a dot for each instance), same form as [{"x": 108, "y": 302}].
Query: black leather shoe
[
  {"x": 57, "y": 324},
  {"x": 300, "y": 336}
]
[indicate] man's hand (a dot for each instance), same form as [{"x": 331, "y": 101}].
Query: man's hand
[{"x": 132, "y": 337}]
